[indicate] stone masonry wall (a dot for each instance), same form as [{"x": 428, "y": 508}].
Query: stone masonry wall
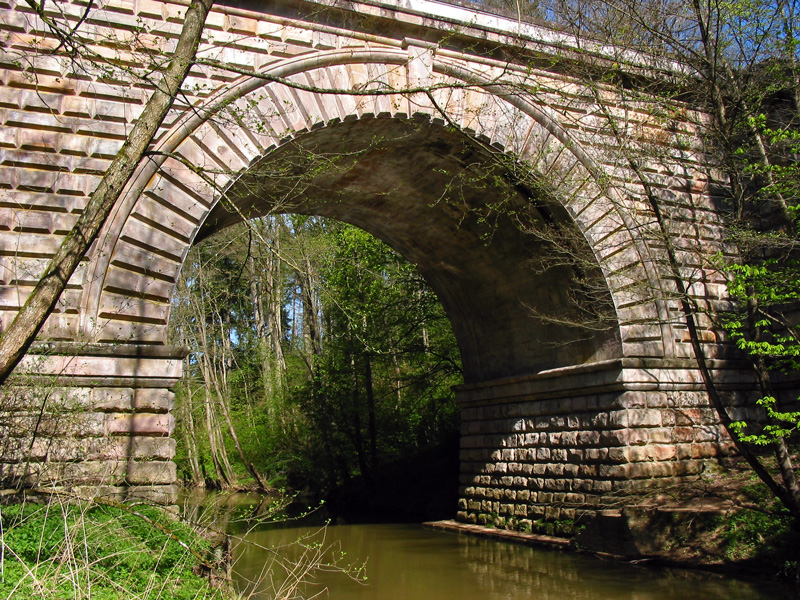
[
  {"x": 564, "y": 444},
  {"x": 98, "y": 421},
  {"x": 587, "y": 432}
]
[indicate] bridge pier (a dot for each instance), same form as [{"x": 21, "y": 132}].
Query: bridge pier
[
  {"x": 92, "y": 418},
  {"x": 565, "y": 443}
]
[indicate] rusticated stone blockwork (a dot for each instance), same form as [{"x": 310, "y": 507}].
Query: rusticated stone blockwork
[
  {"x": 278, "y": 83},
  {"x": 566, "y": 443},
  {"x": 83, "y": 416}
]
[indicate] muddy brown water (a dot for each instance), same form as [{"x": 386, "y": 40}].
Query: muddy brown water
[{"x": 408, "y": 562}]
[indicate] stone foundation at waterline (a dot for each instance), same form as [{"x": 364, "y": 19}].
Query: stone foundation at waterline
[
  {"x": 558, "y": 445},
  {"x": 563, "y": 444}
]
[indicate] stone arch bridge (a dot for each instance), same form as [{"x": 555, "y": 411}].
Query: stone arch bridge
[{"x": 535, "y": 193}]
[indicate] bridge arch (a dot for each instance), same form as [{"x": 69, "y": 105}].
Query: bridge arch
[
  {"x": 210, "y": 150},
  {"x": 545, "y": 428}
]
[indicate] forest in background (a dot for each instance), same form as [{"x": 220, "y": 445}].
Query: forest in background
[{"x": 317, "y": 354}]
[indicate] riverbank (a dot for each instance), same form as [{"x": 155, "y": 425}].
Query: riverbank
[
  {"x": 666, "y": 558},
  {"x": 724, "y": 521},
  {"x": 58, "y": 546},
  {"x": 120, "y": 552}
]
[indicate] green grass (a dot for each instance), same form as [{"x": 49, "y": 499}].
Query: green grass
[{"x": 82, "y": 550}]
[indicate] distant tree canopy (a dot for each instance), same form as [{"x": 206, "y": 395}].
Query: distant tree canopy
[{"x": 317, "y": 353}]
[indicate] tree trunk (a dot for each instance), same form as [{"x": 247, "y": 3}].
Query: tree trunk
[
  {"x": 223, "y": 404},
  {"x": 219, "y": 456},
  {"x": 357, "y": 434},
  {"x": 191, "y": 439},
  {"x": 371, "y": 416},
  {"x": 224, "y": 472},
  {"x": 275, "y": 308}
]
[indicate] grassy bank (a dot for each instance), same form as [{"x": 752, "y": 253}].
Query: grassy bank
[{"x": 76, "y": 550}]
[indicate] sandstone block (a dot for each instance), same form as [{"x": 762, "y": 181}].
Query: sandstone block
[
  {"x": 150, "y": 473},
  {"x": 141, "y": 424},
  {"x": 127, "y": 399}
]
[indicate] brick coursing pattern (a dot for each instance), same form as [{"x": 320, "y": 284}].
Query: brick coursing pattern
[{"x": 517, "y": 91}]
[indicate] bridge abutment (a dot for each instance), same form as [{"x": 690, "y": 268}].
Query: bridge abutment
[
  {"x": 92, "y": 418},
  {"x": 563, "y": 444}
]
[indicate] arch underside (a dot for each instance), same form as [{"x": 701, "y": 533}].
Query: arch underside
[
  {"x": 403, "y": 169},
  {"x": 510, "y": 291}
]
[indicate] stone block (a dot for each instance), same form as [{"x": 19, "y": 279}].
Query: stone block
[
  {"x": 595, "y": 454},
  {"x": 556, "y": 485},
  {"x": 565, "y": 438},
  {"x": 536, "y": 512},
  {"x": 150, "y": 473},
  {"x": 140, "y": 424},
  {"x": 531, "y": 439},
  {"x": 588, "y": 438},
  {"x": 616, "y": 437},
  {"x": 554, "y": 470},
  {"x": 552, "y": 513},
  {"x": 155, "y": 400},
  {"x": 166, "y": 495},
  {"x": 634, "y": 400},
  {"x": 575, "y": 455},
  {"x": 139, "y": 448},
  {"x": 618, "y": 454},
  {"x": 711, "y": 450},
  {"x": 60, "y": 474}
]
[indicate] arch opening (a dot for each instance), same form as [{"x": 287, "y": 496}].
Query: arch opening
[
  {"x": 517, "y": 279},
  {"x": 332, "y": 356}
]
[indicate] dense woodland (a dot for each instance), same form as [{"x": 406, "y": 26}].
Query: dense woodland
[{"x": 317, "y": 354}]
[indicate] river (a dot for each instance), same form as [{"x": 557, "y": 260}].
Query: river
[{"x": 408, "y": 562}]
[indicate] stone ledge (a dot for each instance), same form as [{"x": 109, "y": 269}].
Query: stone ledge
[
  {"x": 166, "y": 495},
  {"x": 505, "y": 535},
  {"x": 112, "y": 350},
  {"x": 614, "y": 375}
]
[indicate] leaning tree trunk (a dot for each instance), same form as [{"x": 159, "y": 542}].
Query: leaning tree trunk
[{"x": 29, "y": 320}]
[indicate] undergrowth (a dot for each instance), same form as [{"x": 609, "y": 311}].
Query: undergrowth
[
  {"x": 85, "y": 550},
  {"x": 765, "y": 536}
]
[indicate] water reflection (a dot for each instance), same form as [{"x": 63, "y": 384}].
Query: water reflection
[{"x": 406, "y": 562}]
